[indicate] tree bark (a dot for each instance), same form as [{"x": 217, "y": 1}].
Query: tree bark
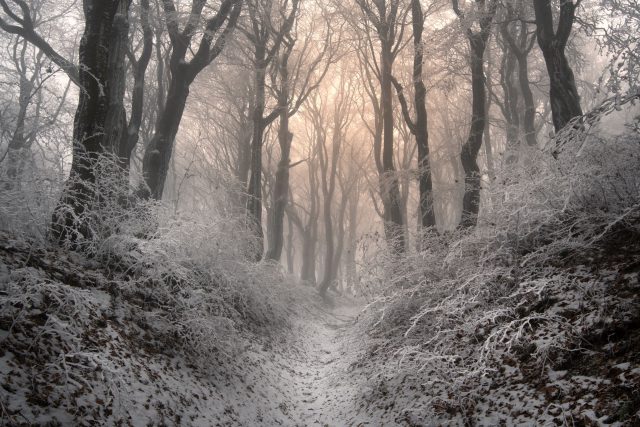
[
  {"x": 565, "y": 102},
  {"x": 21, "y": 139},
  {"x": 350, "y": 268},
  {"x": 290, "y": 253},
  {"x": 427, "y": 214},
  {"x": 308, "y": 268},
  {"x": 511, "y": 98},
  {"x": 419, "y": 127},
  {"x": 156, "y": 160},
  {"x": 263, "y": 55},
  {"x": 340, "y": 233},
  {"x": 328, "y": 172},
  {"x": 254, "y": 190},
  {"x": 384, "y": 17},
  {"x": 137, "y": 96},
  {"x": 101, "y": 79},
  {"x": 521, "y": 48},
  {"x": 391, "y": 189},
  {"x": 469, "y": 153},
  {"x": 158, "y": 154},
  {"x": 281, "y": 187}
]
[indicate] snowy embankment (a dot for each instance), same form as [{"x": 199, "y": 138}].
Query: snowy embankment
[
  {"x": 534, "y": 316},
  {"x": 78, "y": 350}
]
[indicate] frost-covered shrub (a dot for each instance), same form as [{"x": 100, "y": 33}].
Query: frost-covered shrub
[
  {"x": 189, "y": 273},
  {"x": 584, "y": 185},
  {"x": 26, "y": 202},
  {"x": 196, "y": 278},
  {"x": 88, "y": 213},
  {"x": 532, "y": 280}
]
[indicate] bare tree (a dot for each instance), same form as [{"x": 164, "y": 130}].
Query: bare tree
[
  {"x": 297, "y": 82},
  {"x": 139, "y": 66},
  {"x": 24, "y": 25},
  {"x": 28, "y": 88},
  {"x": 419, "y": 126},
  {"x": 98, "y": 127},
  {"x": 265, "y": 39},
  {"x": 305, "y": 219},
  {"x": 563, "y": 94},
  {"x": 388, "y": 20},
  {"x": 620, "y": 38},
  {"x": 485, "y": 12},
  {"x": 330, "y": 119},
  {"x": 520, "y": 45},
  {"x": 183, "y": 72},
  {"x": 222, "y": 106}
]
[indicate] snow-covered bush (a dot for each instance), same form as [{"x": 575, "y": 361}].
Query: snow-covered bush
[
  {"x": 529, "y": 283},
  {"x": 189, "y": 273},
  {"x": 583, "y": 186},
  {"x": 26, "y": 202},
  {"x": 139, "y": 284}
]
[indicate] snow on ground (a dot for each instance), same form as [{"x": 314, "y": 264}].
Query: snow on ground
[{"x": 72, "y": 355}]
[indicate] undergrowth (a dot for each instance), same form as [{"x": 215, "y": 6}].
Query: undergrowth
[
  {"x": 552, "y": 264},
  {"x": 131, "y": 275}
]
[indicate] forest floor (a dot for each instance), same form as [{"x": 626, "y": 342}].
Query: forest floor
[
  {"x": 72, "y": 355},
  {"x": 315, "y": 365}
]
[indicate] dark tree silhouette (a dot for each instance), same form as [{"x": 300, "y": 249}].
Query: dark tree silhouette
[
  {"x": 563, "y": 94},
  {"x": 183, "y": 72},
  {"x": 418, "y": 127},
  {"x": 387, "y": 19},
  {"x": 469, "y": 153}
]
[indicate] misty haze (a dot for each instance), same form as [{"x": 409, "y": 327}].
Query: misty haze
[{"x": 319, "y": 213}]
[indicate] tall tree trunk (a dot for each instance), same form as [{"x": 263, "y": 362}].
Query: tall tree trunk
[
  {"x": 427, "y": 215},
  {"x": 158, "y": 154},
  {"x": 339, "y": 247},
  {"x": 469, "y": 152},
  {"x": 266, "y": 41},
  {"x": 327, "y": 276},
  {"x": 290, "y": 253},
  {"x": 488, "y": 147},
  {"x": 309, "y": 231},
  {"x": 352, "y": 243},
  {"x": 244, "y": 157},
  {"x": 511, "y": 99},
  {"x": 521, "y": 48},
  {"x": 328, "y": 170},
  {"x": 97, "y": 124},
  {"x": 254, "y": 190},
  {"x": 565, "y": 102},
  {"x": 386, "y": 20},
  {"x": 137, "y": 96},
  {"x": 18, "y": 144},
  {"x": 419, "y": 127},
  {"x": 308, "y": 268},
  {"x": 281, "y": 186},
  {"x": 529, "y": 116},
  {"x": 394, "y": 226}
]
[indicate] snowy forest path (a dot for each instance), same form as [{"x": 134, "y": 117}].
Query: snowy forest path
[{"x": 319, "y": 362}]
